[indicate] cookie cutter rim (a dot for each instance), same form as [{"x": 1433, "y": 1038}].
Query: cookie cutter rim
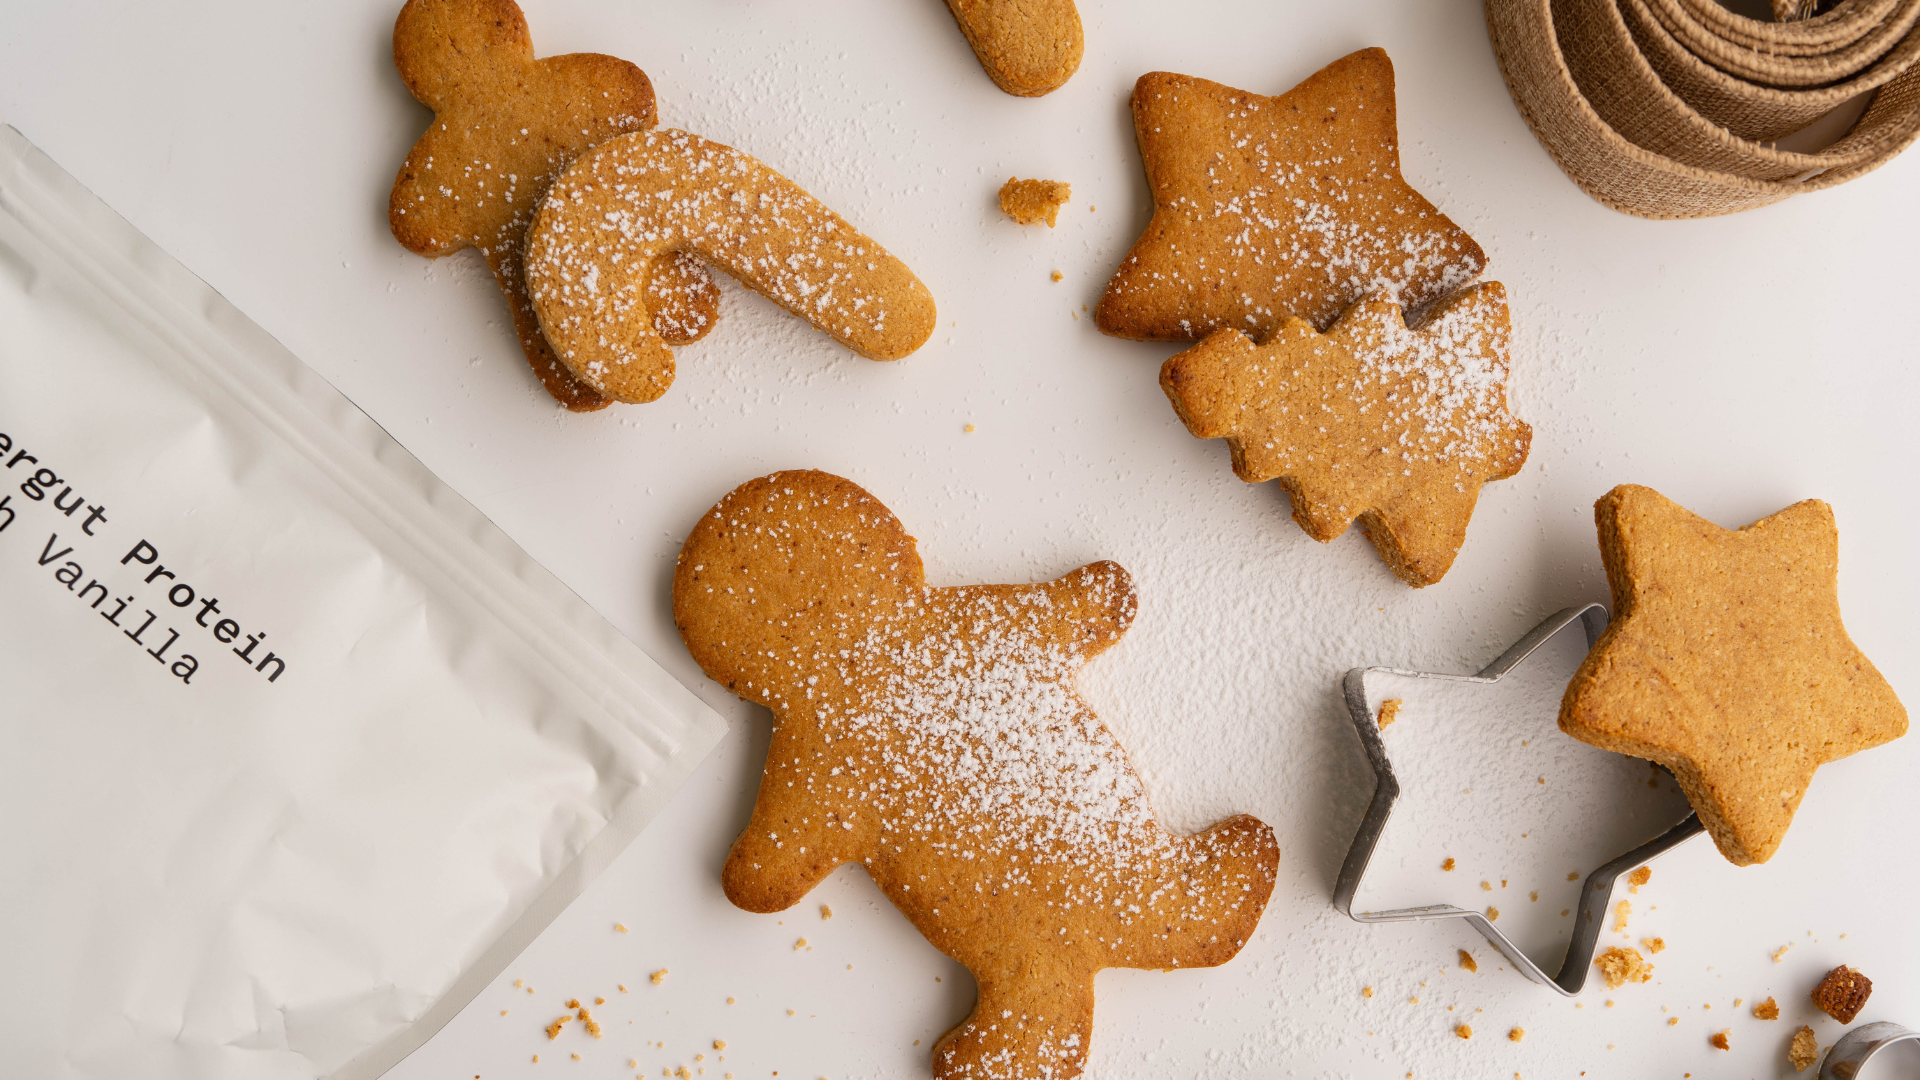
[
  {"x": 1851, "y": 1052},
  {"x": 1595, "y": 893}
]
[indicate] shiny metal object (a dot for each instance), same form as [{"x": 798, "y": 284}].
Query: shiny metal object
[
  {"x": 1847, "y": 1057},
  {"x": 1598, "y": 888}
]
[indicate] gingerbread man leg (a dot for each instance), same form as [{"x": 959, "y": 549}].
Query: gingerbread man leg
[
  {"x": 789, "y": 845},
  {"x": 1033, "y": 1016}
]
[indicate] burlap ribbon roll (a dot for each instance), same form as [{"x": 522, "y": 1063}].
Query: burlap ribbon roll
[{"x": 1669, "y": 108}]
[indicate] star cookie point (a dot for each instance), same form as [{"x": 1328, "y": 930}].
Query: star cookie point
[
  {"x": 1727, "y": 662},
  {"x": 1270, "y": 207}
]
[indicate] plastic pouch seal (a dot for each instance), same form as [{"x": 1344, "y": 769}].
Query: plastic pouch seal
[{"x": 299, "y": 749}]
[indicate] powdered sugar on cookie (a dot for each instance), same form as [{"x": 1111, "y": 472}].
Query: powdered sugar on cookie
[{"x": 634, "y": 199}]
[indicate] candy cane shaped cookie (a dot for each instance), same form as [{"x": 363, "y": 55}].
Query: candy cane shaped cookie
[{"x": 612, "y": 216}]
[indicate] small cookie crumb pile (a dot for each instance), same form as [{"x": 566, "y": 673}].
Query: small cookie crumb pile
[
  {"x": 1843, "y": 993},
  {"x": 1719, "y": 1040},
  {"x": 1389, "y": 712},
  {"x": 1621, "y": 966},
  {"x": 1766, "y": 1010},
  {"x": 1620, "y": 912},
  {"x": 1804, "y": 1050},
  {"x": 1030, "y": 202},
  {"x": 1638, "y": 878},
  {"x": 1654, "y": 944},
  {"x": 1516, "y": 1034}
]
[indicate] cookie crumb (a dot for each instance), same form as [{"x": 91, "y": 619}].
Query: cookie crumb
[
  {"x": 1803, "y": 1050},
  {"x": 599, "y": 1001},
  {"x": 1534, "y": 896},
  {"x": 1672, "y": 1020},
  {"x": 1843, "y": 993},
  {"x": 1719, "y": 1040},
  {"x": 1780, "y": 953},
  {"x": 825, "y": 911},
  {"x": 660, "y": 976},
  {"x": 1654, "y": 944},
  {"x": 1448, "y": 865},
  {"x": 1573, "y": 875},
  {"x": 719, "y": 1044},
  {"x": 800, "y": 944},
  {"x": 1620, "y": 912},
  {"x": 1058, "y": 276},
  {"x": 1767, "y": 1010},
  {"x": 1030, "y": 202},
  {"x": 1493, "y": 914},
  {"x": 1389, "y": 712},
  {"x": 576, "y": 1057},
  {"x": 573, "y": 1003},
  {"x": 1366, "y": 991},
  {"x": 1486, "y": 886},
  {"x": 622, "y": 986},
  {"x": 553, "y": 1029},
  {"x": 593, "y": 1026},
  {"x": 1516, "y": 1034},
  {"x": 1464, "y": 1031},
  {"x": 1467, "y": 961},
  {"x": 620, "y": 927},
  {"x": 1638, "y": 878},
  {"x": 1620, "y": 966}
]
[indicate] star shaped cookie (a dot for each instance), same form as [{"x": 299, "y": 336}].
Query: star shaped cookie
[
  {"x": 1396, "y": 427},
  {"x": 1270, "y": 207},
  {"x": 504, "y": 125},
  {"x": 1726, "y": 662}
]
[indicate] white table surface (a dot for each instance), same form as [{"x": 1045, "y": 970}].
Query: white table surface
[{"x": 1736, "y": 364}]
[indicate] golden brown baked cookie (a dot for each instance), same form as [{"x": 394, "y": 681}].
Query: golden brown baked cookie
[
  {"x": 634, "y": 200},
  {"x": 504, "y": 126},
  {"x": 1266, "y": 208},
  {"x": 1372, "y": 420},
  {"x": 1031, "y": 202},
  {"x": 1029, "y": 47},
  {"x": 1726, "y": 662},
  {"x": 934, "y": 736}
]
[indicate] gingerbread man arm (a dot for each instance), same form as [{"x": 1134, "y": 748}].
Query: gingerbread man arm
[
  {"x": 791, "y": 843},
  {"x": 1100, "y": 603},
  {"x": 1028, "y": 47}
]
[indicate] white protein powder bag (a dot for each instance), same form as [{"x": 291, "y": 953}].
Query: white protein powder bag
[{"x": 299, "y": 749}]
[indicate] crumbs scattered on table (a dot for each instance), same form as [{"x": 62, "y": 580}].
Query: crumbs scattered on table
[
  {"x": 1620, "y": 912},
  {"x": 1654, "y": 944},
  {"x": 1448, "y": 865},
  {"x": 659, "y": 977},
  {"x": 1719, "y": 1040},
  {"x": 1767, "y": 1010},
  {"x": 1516, "y": 1034},
  {"x": 825, "y": 911},
  {"x": 1493, "y": 913},
  {"x": 802, "y": 944},
  {"x": 1366, "y": 991},
  {"x": 620, "y": 927},
  {"x": 1620, "y": 966},
  {"x": 1780, "y": 953},
  {"x": 1486, "y": 886},
  {"x": 1464, "y": 1031},
  {"x": 553, "y": 1029},
  {"x": 1030, "y": 202},
  {"x": 1467, "y": 961},
  {"x": 1058, "y": 276},
  {"x": 1389, "y": 712},
  {"x": 1638, "y": 878}
]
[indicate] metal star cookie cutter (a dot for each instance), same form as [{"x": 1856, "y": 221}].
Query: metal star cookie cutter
[
  {"x": 1595, "y": 893},
  {"x": 1851, "y": 1053}
]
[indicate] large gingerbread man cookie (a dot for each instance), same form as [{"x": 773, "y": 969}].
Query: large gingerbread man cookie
[
  {"x": 933, "y": 735},
  {"x": 504, "y": 125}
]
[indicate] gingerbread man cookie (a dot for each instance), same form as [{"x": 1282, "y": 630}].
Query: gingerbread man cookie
[
  {"x": 1726, "y": 662},
  {"x": 933, "y": 735},
  {"x": 1372, "y": 420},
  {"x": 1029, "y": 47},
  {"x": 504, "y": 125},
  {"x": 636, "y": 200},
  {"x": 1266, "y": 208}
]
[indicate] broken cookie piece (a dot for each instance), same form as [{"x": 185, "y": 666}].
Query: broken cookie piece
[
  {"x": 1767, "y": 1010},
  {"x": 1843, "y": 993},
  {"x": 1030, "y": 202},
  {"x": 1804, "y": 1050},
  {"x": 1621, "y": 966}
]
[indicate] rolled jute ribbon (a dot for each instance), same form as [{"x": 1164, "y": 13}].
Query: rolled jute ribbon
[{"x": 1669, "y": 108}]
